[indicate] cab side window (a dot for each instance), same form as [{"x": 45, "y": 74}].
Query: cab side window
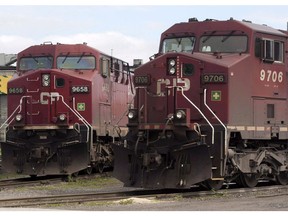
[
  {"x": 104, "y": 67},
  {"x": 269, "y": 50}
]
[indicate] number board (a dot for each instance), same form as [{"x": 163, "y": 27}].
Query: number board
[
  {"x": 142, "y": 80},
  {"x": 213, "y": 78}
]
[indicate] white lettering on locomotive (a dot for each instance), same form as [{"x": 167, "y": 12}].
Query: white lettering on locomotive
[
  {"x": 44, "y": 97},
  {"x": 271, "y": 76},
  {"x": 162, "y": 84}
]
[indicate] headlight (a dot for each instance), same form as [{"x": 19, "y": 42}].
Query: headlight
[
  {"x": 132, "y": 114},
  {"x": 172, "y": 62},
  {"x": 45, "y": 80},
  {"x": 18, "y": 117},
  {"x": 62, "y": 117},
  {"x": 180, "y": 114},
  {"x": 171, "y": 66},
  {"x": 172, "y": 70}
]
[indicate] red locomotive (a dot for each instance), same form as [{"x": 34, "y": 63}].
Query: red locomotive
[
  {"x": 65, "y": 106},
  {"x": 210, "y": 107}
]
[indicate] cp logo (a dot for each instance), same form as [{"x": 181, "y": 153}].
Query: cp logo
[
  {"x": 44, "y": 97},
  {"x": 162, "y": 84}
]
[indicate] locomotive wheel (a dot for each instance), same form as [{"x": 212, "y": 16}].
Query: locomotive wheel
[
  {"x": 213, "y": 185},
  {"x": 249, "y": 180},
  {"x": 75, "y": 174},
  {"x": 282, "y": 178},
  {"x": 100, "y": 167},
  {"x": 238, "y": 181},
  {"x": 33, "y": 176},
  {"x": 89, "y": 170}
]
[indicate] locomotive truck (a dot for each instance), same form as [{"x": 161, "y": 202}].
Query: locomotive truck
[
  {"x": 65, "y": 105},
  {"x": 210, "y": 107}
]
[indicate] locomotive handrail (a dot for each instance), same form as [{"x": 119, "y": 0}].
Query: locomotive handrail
[
  {"x": 84, "y": 121},
  {"x": 33, "y": 114},
  {"x": 147, "y": 92},
  {"x": 32, "y": 91},
  {"x": 32, "y": 80},
  {"x": 76, "y": 113},
  {"x": 33, "y": 102},
  {"x": 226, "y": 132},
  {"x": 79, "y": 115},
  {"x": 18, "y": 107},
  {"x": 130, "y": 102},
  {"x": 124, "y": 114},
  {"x": 182, "y": 91}
]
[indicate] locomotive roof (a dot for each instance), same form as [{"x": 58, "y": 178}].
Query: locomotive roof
[
  {"x": 262, "y": 28},
  {"x": 46, "y": 48},
  {"x": 49, "y": 47},
  {"x": 213, "y": 25}
]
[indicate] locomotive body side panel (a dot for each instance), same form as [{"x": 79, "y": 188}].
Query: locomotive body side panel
[{"x": 258, "y": 93}]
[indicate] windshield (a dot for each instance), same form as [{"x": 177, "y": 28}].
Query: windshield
[
  {"x": 76, "y": 62},
  {"x": 33, "y": 63},
  {"x": 180, "y": 44},
  {"x": 223, "y": 44}
]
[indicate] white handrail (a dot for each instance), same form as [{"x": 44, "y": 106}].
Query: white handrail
[
  {"x": 18, "y": 107},
  {"x": 81, "y": 118},
  {"x": 226, "y": 133},
  {"x": 182, "y": 91},
  {"x": 124, "y": 114},
  {"x": 76, "y": 113}
]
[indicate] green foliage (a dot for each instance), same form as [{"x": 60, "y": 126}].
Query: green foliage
[
  {"x": 126, "y": 202},
  {"x": 80, "y": 183}
]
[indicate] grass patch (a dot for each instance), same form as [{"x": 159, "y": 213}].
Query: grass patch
[
  {"x": 79, "y": 183},
  {"x": 5, "y": 176},
  {"x": 126, "y": 202},
  {"x": 102, "y": 203},
  {"x": 96, "y": 182},
  {"x": 178, "y": 197},
  {"x": 83, "y": 204}
]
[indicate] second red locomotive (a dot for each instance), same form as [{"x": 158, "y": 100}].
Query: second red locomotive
[
  {"x": 65, "y": 106},
  {"x": 210, "y": 107}
]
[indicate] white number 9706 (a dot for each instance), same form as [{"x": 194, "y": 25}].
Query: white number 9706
[{"x": 269, "y": 75}]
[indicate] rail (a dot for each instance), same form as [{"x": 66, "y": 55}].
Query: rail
[
  {"x": 211, "y": 111},
  {"x": 124, "y": 114},
  {"x": 74, "y": 111},
  {"x": 81, "y": 118},
  {"x": 213, "y": 130},
  {"x": 9, "y": 119}
]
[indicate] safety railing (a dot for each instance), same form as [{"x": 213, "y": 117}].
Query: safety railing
[
  {"x": 10, "y": 118},
  {"x": 80, "y": 117},
  {"x": 202, "y": 114},
  {"x": 18, "y": 109},
  {"x": 211, "y": 111}
]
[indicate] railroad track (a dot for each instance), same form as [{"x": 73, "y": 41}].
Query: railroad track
[
  {"x": 70, "y": 198},
  {"x": 42, "y": 180},
  {"x": 27, "y": 181},
  {"x": 100, "y": 197}
]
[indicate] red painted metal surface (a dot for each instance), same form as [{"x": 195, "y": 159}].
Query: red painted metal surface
[
  {"x": 216, "y": 85},
  {"x": 65, "y": 104}
]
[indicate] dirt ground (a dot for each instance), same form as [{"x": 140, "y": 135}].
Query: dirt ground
[{"x": 258, "y": 200}]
